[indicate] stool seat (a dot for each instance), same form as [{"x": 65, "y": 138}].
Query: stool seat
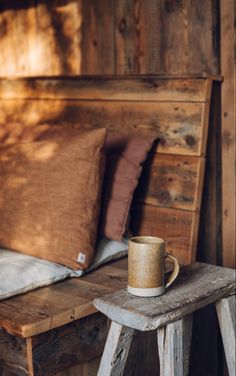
[{"x": 197, "y": 285}]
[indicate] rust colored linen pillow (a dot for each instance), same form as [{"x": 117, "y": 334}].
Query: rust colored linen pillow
[{"x": 50, "y": 197}]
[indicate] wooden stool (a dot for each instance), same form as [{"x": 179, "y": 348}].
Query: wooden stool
[{"x": 171, "y": 315}]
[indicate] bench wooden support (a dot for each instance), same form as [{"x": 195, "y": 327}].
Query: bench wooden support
[{"x": 171, "y": 315}]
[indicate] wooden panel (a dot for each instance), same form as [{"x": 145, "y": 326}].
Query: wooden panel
[
  {"x": 204, "y": 28},
  {"x": 228, "y": 56},
  {"x": 13, "y": 355},
  {"x": 177, "y": 227},
  {"x": 137, "y": 36},
  {"x": 175, "y": 45},
  {"x": 139, "y": 88},
  {"x": 178, "y": 125},
  {"x": 172, "y": 180},
  {"x": 147, "y": 42},
  {"x": 8, "y": 21},
  {"x": 69, "y": 345},
  {"x": 97, "y": 41},
  {"x": 127, "y": 32},
  {"x": 51, "y": 42}
]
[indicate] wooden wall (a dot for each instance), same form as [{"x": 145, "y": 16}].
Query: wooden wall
[
  {"x": 59, "y": 37},
  {"x": 68, "y": 37}
]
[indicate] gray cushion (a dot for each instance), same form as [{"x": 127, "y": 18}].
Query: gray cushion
[{"x": 20, "y": 273}]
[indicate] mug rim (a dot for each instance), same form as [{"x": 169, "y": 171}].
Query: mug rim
[{"x": 144, "y": 240}]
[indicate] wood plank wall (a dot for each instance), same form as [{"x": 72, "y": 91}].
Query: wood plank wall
[
  {"x": 67, "y": 37},
  {"x": 59, "y": 37}
]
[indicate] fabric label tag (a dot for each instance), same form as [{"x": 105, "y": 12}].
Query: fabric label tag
[{"x": 81, "y": 257}]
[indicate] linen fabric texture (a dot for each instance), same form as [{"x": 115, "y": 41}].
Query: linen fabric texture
[
  {"x": 20, "y": 273},
  {"x": 50, "y": 197}
]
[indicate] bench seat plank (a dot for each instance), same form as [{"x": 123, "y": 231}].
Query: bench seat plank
[{"x": 53, "y": 306}]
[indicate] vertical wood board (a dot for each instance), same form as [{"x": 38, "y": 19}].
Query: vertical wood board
[
  {"x": 228, "y": 61},
  {"x": 97, "y": 39}
]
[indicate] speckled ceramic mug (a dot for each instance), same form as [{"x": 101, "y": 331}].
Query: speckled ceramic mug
[{"x": 146, "y": 266}]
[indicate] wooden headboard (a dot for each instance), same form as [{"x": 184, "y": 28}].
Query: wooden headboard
[{"x": 175, "y": 110}]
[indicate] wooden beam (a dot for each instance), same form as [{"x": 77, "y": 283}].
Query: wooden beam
[
  {"x": 116, "y": 350},
  {"x": 228, "y": 130},
  {"x": 174, "y": 342}
]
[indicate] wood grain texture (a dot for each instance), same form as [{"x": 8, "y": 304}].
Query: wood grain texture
[
  {"x": 13, "y": 355},
  {"x": 75, "y": 343},
  {"x": 226, "y": 310},
  {"x": 116, "y": 350},
  {"x": 177, "y": 126},
  {"x": 174, "y": 342},
  {"x": 228, "y": 118},
  {"x": 146, "y": 39},
  {"x": 198, "y": 285},
  {"x": 126, "y": 38},
  {"x": 204, "y": 25},
  {"x": 143, "y": 355},
  {"x": 61, "y": 303},
  {"x": 178, "y": 228},
  {"x": 136, "y": 88},
  {"x": 97, "y": 37},
  {"x": 182, "y": 51},
  {"x": 172, "y": 180}
]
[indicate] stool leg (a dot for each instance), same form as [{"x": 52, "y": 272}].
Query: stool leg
[
  {"x": 116, "y": 350},
  {"x": 226, "y": 316},
  {"x": 174, "y": 342}
]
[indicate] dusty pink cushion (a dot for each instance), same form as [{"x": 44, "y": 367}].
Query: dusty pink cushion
[{"x": 124, "y": 158}]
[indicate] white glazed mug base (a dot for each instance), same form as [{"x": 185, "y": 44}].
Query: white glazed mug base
[{"x": 147, "y": 292}]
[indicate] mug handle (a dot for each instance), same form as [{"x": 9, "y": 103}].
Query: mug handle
[{"x": 175, "y": 272}]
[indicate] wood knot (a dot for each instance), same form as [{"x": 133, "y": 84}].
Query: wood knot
[
  {"x": 164, "y": 197},
  {"x": 227, "y": 138},
  {"x": 122, "y": 25},
  {"x": 190, "y": 140}
]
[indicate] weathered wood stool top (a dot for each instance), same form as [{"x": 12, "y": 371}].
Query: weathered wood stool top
[{"x": 198, "y": 285}]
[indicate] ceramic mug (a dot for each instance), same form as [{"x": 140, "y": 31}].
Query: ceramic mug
[{"x": 146, "y": 266}]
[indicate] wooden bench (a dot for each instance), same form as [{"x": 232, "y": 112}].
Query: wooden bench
[
  {"x": 49, "y": 330},
  {"x": 171, "y": 315}
]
